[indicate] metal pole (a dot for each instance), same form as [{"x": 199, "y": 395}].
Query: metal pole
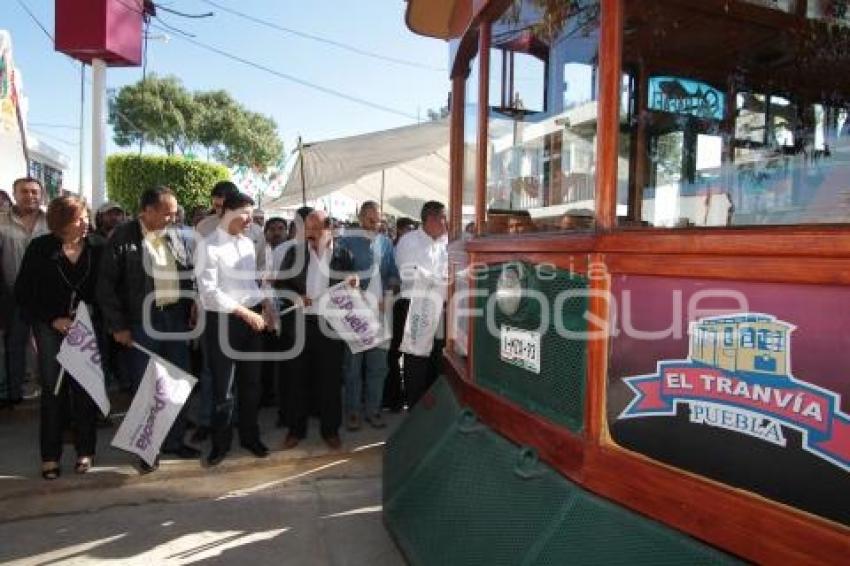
[
  {"x": 301, "y": 165},
  {"x": 146, "y": 31},
  {"x": 383, "y": 171},
  {"x": 82, "y": 124},
  {"x": 97, "y": 193}
]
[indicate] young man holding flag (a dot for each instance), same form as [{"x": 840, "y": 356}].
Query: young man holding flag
[{"x": 146, "y": 288}]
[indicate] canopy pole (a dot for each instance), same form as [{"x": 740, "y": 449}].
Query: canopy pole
[
  {"x": 82, "y": 124},
  {"x": 383, "y": 171},
  {"x": 301, "y": 162},
  {"x": 97, "y": 193}
]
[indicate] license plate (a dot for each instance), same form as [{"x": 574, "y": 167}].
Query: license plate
[{"x": 520, "y": 348}]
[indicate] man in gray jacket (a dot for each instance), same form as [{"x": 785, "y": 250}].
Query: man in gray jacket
[{"x": 18, "y": 226}]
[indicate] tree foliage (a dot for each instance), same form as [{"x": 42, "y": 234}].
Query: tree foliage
[
  {"x": 163, "y": 113},
  {"x": 158, "y": 110},
  {"x": 127, "y": 175}
]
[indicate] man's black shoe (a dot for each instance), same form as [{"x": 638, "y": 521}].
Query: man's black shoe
[
  {"x": 257, "y": 448},
  {"x": 184, "y": 452},
  {"x": 216, "y": 456},
  {"x": 145, "y": 468}
]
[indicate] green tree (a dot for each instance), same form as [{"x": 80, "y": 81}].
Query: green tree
[
  {"x": 157, "y": 110},
  {"x": 163, "y": 113},
  {"x": 252, "y": 142},
  {"x": 217, "y": 114}
]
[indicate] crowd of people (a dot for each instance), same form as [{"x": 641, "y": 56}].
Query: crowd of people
[{"x": 204, "y": 296}]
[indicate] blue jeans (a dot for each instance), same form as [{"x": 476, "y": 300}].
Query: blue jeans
[
  {"x": 174, "y": 319},
  {"x": 371, "y": 364}
]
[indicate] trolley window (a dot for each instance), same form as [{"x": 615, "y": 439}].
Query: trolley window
[
  {"x": 542, "y": 122},
  {"x": 736, "y": 113}
]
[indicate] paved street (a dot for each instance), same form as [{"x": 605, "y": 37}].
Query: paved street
[{"x": 307, "y": 506}]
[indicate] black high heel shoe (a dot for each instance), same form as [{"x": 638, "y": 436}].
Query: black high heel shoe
[
  {"x": 84, "y": 464},
  {"x": 52, "y": 472}
]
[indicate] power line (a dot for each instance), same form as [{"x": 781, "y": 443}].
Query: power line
[
  {"x": 58, "y": 126},
  {"x": 291, "y": 78},
  {"x": 189, "y": 37},
  {"x": 183, "y": 14},
  {"x": 324, "y": 40},
  {"x": 35, "y": 19},
  {"x": 54, "y": 138}
]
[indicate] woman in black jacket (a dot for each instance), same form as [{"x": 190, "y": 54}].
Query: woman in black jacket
[{"x": 59, "y": 271}]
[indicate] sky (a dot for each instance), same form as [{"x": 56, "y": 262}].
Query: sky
[{"x": 52, "y": 81}]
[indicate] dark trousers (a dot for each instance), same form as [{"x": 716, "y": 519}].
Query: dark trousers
[
  {"x": 17, "y": 341},
  {"x": 283, "y": 371},
  {"x": 227, "y": 372},
  {"x": 71, "y": 402},
  {"x": 269, "y": 372},
  {"x": 173, "y": 319},
  {"x": 318, "y": 368},
  {"x": 393, "y": 392},
  {"x": 421, "y": 372}
]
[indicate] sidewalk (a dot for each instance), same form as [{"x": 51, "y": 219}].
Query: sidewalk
[{"x": 20, "y": 477}]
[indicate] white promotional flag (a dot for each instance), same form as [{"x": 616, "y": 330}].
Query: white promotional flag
[
  {"x": 423, "y": 317},
  {"x": 80, "y": 356},
  {"x": 162, "y": 393},
  {"x": 351, "y": 316}
]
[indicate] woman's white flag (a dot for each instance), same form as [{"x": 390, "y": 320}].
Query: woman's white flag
[
  {"x": 424, "y": 314},
  {"x": 161, "y": 395},
  {"x": 79, "y": 355}
]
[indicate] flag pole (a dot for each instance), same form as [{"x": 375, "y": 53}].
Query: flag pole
[
  {"x": 59, "y": 382},
  {"x": 141, "y": 348},
  {"x": 301, "y": 168}
]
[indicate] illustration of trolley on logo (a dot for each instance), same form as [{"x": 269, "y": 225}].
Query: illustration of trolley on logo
[{"x": 738, "y": 377}]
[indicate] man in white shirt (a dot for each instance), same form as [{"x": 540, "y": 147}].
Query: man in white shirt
[
  {"x": 226, "y": 270},
  {"x": 283, "y": 342},
  {"x": 256, "y": 230},
  {"x": 425, "y": 250},
  {"x": 210, "y": 222},
  {"x": 274, "y": 233},
  {"x": 308, "y": 270},
  {"x": 203, "y": 228}
]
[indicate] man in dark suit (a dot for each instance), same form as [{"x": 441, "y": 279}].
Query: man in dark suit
[
  {"x": 308, "y": 270},
  {"x": 147, "y": 264}
]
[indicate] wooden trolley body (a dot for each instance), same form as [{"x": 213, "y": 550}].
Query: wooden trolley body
[{"x": 795, "y": 266}]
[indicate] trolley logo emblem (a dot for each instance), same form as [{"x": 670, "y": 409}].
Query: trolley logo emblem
[{"x": 737, "y": 377}]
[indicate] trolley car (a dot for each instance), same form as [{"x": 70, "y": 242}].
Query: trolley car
[{"x": 648, "y": 349}]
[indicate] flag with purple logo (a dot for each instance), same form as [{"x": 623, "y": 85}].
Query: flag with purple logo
[
  {"x": 352, "y": 317},
  {"x": 423, "y": 315},
  {"x": 79, "y": 355},
  {"x": 161, "y": 395}
]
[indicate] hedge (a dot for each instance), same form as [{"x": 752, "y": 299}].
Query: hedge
[{"x": 128, "y": 175}]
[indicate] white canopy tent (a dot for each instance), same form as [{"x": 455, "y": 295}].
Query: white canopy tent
[{"x": 401, "y": 169}]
